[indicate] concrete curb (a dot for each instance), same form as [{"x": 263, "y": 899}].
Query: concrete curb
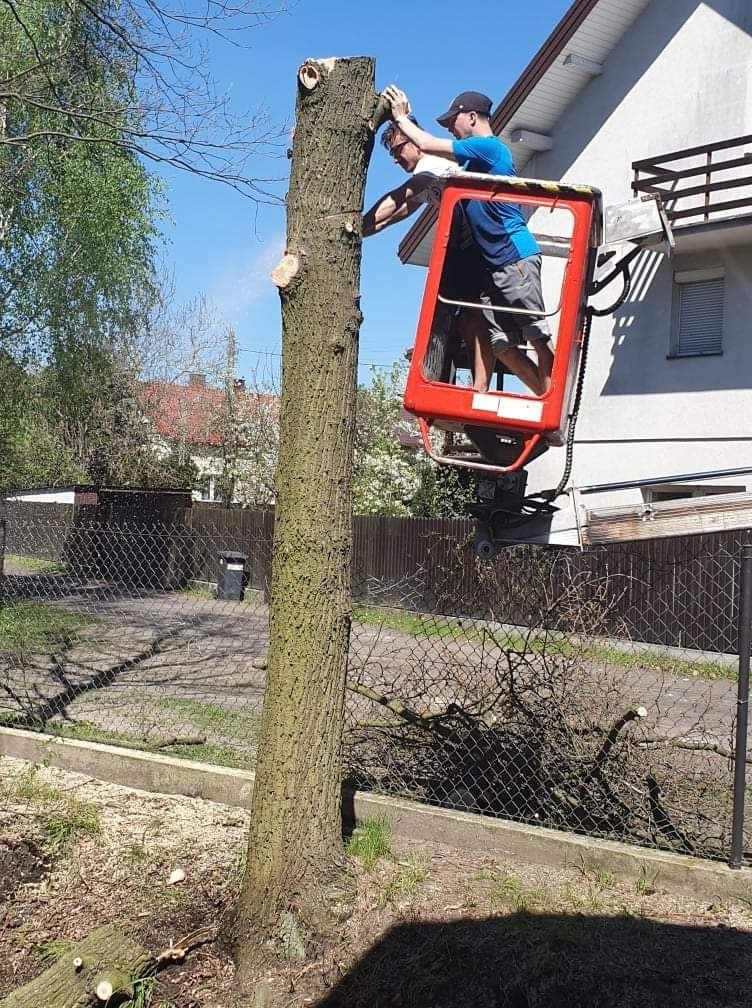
[{"x": 704, "y": 880}]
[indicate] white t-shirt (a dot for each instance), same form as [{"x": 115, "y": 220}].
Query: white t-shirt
[{"x": 436, "y": 167}]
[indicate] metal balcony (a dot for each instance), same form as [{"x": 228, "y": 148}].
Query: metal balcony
[{"x": 700, "y": 185}]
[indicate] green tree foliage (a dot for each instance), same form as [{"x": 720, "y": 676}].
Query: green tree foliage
[
  {"x": 78, "y": 213},
  {"x": 30, "y": 446},
  {"x": 392, "y": 476},
  {"x": 78, "y": 240},
  {"x": 143, "y": 468},
  {"x": 90, "y": 92},
  {"x": 77, "y": 258}
]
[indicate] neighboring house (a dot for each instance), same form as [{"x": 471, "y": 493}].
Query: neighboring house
[
  {"x": 197, "y": 420},
  {"x": 643, "y": 95}
]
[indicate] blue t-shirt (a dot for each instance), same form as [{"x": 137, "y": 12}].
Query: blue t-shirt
[{"x": 499, "y": 229}]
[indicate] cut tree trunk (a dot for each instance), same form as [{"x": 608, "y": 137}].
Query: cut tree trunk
[
  {"x": 295, "y": 855},
  {"x": 98, "y": 971}
]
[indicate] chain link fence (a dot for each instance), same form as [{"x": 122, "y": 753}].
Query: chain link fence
[{"x": 587, "y": 691}]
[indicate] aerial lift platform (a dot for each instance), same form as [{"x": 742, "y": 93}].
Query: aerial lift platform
[{"x": 497, "y": 434}]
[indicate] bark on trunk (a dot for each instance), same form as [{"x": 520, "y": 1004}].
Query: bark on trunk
[
  {"x": 295, "y": 845},
  {"x": 99, "y": 971}
]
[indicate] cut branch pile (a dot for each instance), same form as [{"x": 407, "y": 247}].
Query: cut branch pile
[{"x": 536, "y": 721}]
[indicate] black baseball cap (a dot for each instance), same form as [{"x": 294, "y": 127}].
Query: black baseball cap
[{"x": 468, "y": 101}]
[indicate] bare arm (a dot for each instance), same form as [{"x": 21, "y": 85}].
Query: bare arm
[
  {"x": 396, "y": 205},
  {"x": 428, "y": 143}
]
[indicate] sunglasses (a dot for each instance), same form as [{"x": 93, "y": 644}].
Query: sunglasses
[{"x": 394, "y": 151}]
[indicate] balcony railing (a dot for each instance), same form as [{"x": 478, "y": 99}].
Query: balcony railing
[{"x": 700, "y": 184}]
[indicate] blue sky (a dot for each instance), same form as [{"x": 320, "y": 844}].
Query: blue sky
[{"x": 224, "y": 246}]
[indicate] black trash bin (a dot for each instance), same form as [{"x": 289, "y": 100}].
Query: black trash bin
[{"x": 231, "y": 576}]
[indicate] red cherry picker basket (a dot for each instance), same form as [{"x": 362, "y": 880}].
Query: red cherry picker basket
[
  {"x": 498, "y": 432},
  {"x": 523, "y": 422}
]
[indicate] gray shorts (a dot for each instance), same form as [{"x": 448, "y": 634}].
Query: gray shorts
[{"x": 517, "y": 285}]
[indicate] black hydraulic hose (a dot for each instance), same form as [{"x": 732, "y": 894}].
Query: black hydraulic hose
[
  {"x": 622, "y": 297},
  {"x": 621, "y": 267},
  {"x": 551, "y": 495}
]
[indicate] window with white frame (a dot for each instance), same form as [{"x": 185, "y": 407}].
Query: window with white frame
[{"x": 697, "y": 328}]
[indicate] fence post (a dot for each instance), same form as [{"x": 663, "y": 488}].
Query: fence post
[
  {"x": 742, "y": 707},
  {"x": 3, "y": 539}
]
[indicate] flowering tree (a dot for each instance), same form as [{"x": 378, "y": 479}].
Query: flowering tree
[
  {"x": 392, "y": 476},
  {"x": 386, "y": 475},
  {"x": 257, "y": 420}
]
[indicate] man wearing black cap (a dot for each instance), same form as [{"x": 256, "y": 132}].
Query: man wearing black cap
[{"x": 510, "y": 255}]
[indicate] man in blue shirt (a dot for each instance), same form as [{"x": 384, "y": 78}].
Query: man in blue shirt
[{"x": 511, "y": 259}]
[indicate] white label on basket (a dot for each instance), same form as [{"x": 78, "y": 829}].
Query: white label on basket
[
  {"x": 490, "y": 403},
  {"x": 520, "y": 409},
  {"x": 232, "y": 566}
]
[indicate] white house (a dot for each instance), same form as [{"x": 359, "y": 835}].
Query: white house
[{"x": 629, "y": 96}]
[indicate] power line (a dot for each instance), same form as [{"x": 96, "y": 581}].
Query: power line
[{"x": 269, "y": 353}]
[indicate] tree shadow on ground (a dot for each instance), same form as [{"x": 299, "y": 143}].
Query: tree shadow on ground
[
  {"x": 532, "y": 960},
  {"x": 182, "y": 652}
]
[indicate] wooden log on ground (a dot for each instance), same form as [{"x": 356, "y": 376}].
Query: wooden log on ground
[{"x": 98, "y": 971}]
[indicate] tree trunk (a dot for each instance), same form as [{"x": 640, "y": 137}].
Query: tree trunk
[
  {"x": 98, "y": 971},
  {"x": 295, "y": 856}
]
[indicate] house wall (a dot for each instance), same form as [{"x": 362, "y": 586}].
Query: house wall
[
  {"x": 63, "y": 495},
  {"x": 210, "y": 469},
  {"x": 678, "y": 78}
]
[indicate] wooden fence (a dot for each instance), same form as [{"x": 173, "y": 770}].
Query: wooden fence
[
  {"x": 37, "y": 530},
  {"x": 680, "y": 592}
]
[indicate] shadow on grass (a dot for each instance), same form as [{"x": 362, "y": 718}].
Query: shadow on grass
[{"x": 531, "y": 960}]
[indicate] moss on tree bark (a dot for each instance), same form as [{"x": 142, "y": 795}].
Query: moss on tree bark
[{"x": 295, "y": 858}]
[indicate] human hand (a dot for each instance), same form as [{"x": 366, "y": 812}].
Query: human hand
[{"x": 398, "y": 101}]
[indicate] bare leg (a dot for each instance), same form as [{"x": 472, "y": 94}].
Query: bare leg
[
  {"x": 516, "y": 361},
  {"x": 472, "y": 328},
  {"x": 536, "y": 377},
  {"x": 544, "y": 351}
]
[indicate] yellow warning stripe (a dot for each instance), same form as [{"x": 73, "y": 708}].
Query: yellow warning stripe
[{"x": 515, "y": 182}]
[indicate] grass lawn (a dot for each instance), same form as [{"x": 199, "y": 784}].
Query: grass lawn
[
  {"x": 33, "y": 565},
  {"x": 241, "y": 728},
  {"x": 175, "y": 719},
  {"x": 641, "y": 656},
  {"x": 31, "y": 626}
]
